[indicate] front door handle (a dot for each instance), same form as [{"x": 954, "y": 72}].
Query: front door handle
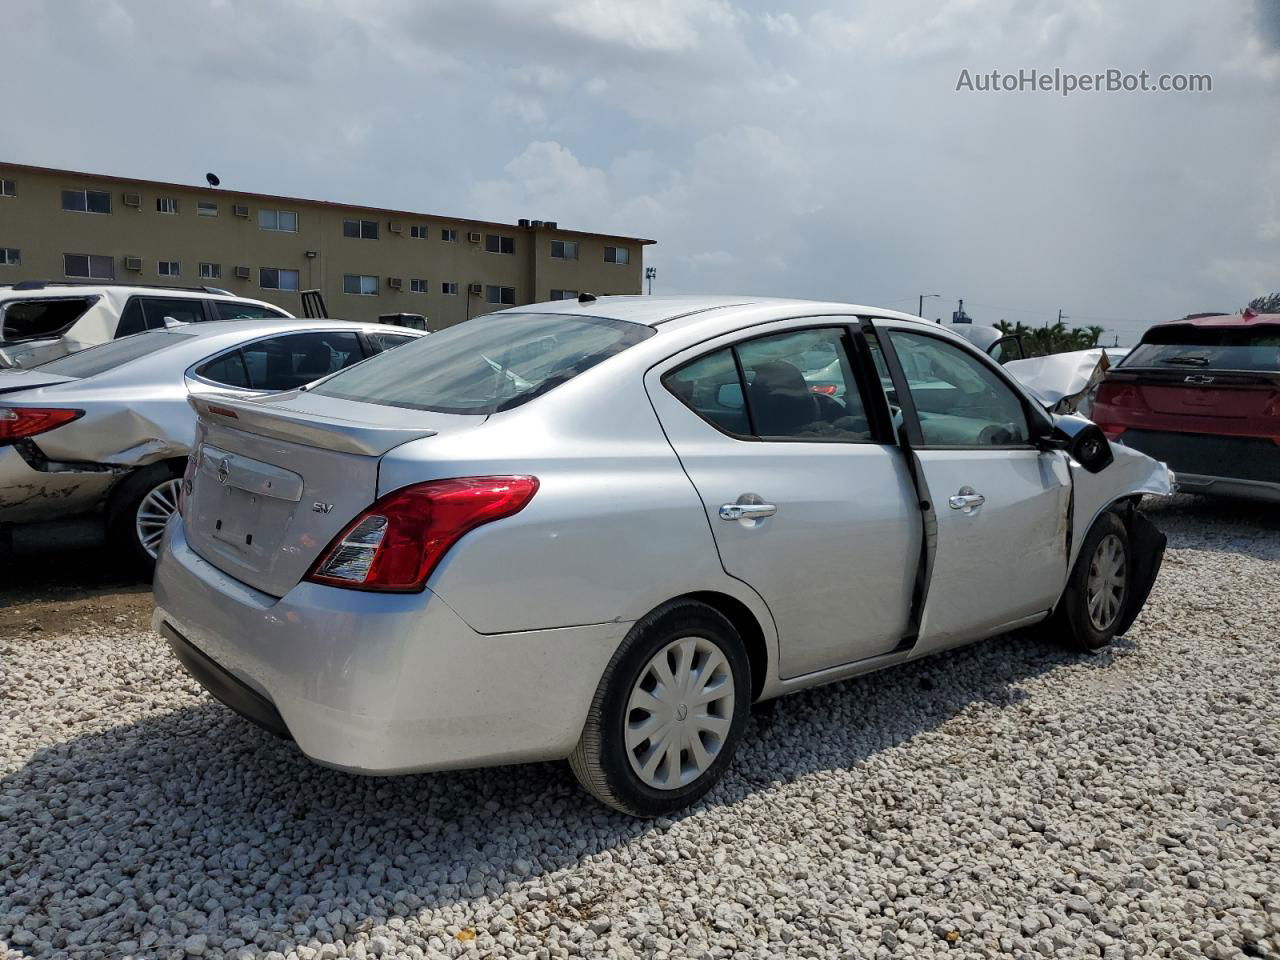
[
  {"x": 747, "y": 511},
  {"x": 966, "y": 500}
]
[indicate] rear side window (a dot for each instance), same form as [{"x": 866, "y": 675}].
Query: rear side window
[
  {"x": 285, "y": 363},
  {"x": 46, "y": 317},
  {"x": 1188, "y": 347},
  {"x": 797, "y": 385},
  {"x": 487, "y": 365},
  {"x": 385, "y": 341},
  {"x": 148, "y": 313},
  {"x": 230, "y": 310},
  {"x": 115, "y": 353}
]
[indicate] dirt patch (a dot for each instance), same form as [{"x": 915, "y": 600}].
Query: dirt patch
[{"x": 70, "y": 589}]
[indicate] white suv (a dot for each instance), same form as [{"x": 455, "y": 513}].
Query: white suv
[{"x": 41, "y": 320}]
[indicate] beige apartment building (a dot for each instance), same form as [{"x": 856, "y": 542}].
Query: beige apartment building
[{"x": 367, "y": 261}]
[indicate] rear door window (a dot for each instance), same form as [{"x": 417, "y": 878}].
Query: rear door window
[
  {"x": 487, "y": 365},
  {"x": 42, "y": 318},
  {"x": 294, "y": 360},
  {"x": 230, "y": 310},
  {"x": 385, "y": 341},
  {"x": 148, "y": 313},
  {"x": 797, "y": 385},
  {"x": 1188, "y": 347}
]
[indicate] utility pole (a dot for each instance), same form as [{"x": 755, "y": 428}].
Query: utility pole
[
  {"x": 923, "y": 297},
  {"x": 1062, "y": 316}
]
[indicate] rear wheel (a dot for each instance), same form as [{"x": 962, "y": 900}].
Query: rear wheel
[
  {"x": 668, "y": 714},
  {"x": 140, "y": 508},
  {"x": 1093, "y": 604}
]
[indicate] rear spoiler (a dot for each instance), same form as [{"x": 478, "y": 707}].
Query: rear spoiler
[{"x": 281, "y": 422}]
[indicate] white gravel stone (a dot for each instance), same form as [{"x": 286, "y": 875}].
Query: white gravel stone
[{"x": 1011, "y": 798}]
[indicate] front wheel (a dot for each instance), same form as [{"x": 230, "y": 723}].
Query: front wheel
[
  {"x": 1093, "y": 605},
  {"x": 140, "y": 508},
  {"x": 668, "y": 714}
]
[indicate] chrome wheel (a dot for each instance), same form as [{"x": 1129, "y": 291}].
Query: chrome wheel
[
  {"x": 679, "y": 713},
  {"x": 153, "y": 513},
  {"x": 1105, "y": 590}
]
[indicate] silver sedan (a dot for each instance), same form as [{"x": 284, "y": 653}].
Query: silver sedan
[
  {"x": 105, "y": 431},
  {"x": 600, "y": 530}
]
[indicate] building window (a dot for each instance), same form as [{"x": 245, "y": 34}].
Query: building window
[
  {"x": 617, "y": 255},
  {"x": 166, "y": 204},
  {"x": 360, "y": 229},
  {"x": 564, "y": 294},
  {"x": 10, "y": 257},
  {"x": 418, "y": 231},
  {"x": 86, "y": 201},
  {"x": 448, "y": 235},
  {"x": 360, "y": 284},
  {"x": 207, "y": 208},
  {"x": 88, "y": 266},
  {"x": 8, "y": 188},
  {"x": 273, "y": 278},
  {"x": 210, "y": 271},
  {"x": 168, "y": 268},
  {"x": 497, "y": 243},
  {"x": 503, "y": 295},
  {"x": 418, "y": 286},
  {"x": 283, "y": 221},
  {"x": 449, "y": 288},
  {"x": 564, "y": 249}
]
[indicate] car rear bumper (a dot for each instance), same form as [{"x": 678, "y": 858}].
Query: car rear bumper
[
  {"x": 379, "y": 683},
  {"x": 28, "y": 495},
  {"x": 1228, "y": 487}
]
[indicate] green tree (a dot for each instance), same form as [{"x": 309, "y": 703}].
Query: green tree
[
  {"x": 1053, "y": 337},
  {"x": 1270, "y": 303}
]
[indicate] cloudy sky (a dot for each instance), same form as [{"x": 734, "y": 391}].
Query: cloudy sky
[{"x": 809, "y": 148}]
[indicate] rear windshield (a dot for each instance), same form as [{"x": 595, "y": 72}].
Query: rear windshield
[
  {"x": 40, "y": 318},
  {"x": 106, "y": 356},
  {"x": 1218, "y": 348},
  {"x": 486, "y": 365}
]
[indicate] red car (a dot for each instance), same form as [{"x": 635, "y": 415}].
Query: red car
[{"x": 1203, "y": 395}]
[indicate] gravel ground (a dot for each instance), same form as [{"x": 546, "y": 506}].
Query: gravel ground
[{"x": 1009, "y": 799}]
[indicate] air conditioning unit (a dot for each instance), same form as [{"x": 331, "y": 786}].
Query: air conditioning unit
[
  {"x": 536, "y": 224},
  {"x": 133, "y": 200},
  {"x": 523, "y": 221},
  {"x": 241, "y": 210},
  {"x": 550, "y": 224},
  {"x": 395, "y": 283},
  {"x": 475, "y": 289},
  {"x": 394, "y": 226},
  {"x": 242, "y": 273},
  {"x": 133, "y": 263},
  {"x": 474, "y": 236}
]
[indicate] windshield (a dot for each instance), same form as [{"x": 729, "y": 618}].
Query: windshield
[
  {"x": 486, "y": 365},
  {"x": 107, "y": 356},
  {"x": 1219, "y": 348}
]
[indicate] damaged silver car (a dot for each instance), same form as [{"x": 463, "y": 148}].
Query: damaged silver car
[{"x": 105, "y": 431}]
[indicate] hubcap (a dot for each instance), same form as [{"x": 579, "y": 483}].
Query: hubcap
[
  {"x": 679, "y": 714},
  {"x": 1105, "y": 591},
  {"x": 153, "y": 513}
]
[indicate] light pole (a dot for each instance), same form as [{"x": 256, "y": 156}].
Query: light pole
[
  {"x": 649, "y": 274},
  {"x": 923, "y": 298}
]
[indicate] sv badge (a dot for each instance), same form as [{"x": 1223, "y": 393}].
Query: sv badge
[{"x": 319, "y": 507}]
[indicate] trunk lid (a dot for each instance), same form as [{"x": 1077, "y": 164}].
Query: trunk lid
[
  {"x": 273, "y": 480},
  {"x": 1244, "y": 402},
  {"x": 11, "y": 381}
]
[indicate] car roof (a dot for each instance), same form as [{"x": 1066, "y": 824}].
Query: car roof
[
  {"x": 681, "y": 312},
  {"x": 1246, "y": 319},
  {"x": 35, "y": 289}
]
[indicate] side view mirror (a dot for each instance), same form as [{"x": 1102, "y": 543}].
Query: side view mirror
[{"x": 1082, "y": 440}]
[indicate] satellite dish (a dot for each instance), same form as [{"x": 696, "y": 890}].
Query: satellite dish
[{"x": 213, "y": 179}]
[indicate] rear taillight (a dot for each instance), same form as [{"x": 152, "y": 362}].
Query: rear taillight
[
  {"x": 17, "y": 423},
  {"x": 826, "y": 389},
  {"x": 397, "y": 542}
]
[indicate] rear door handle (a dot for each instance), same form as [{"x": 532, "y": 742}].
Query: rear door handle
[
  {"x": 747, "y": 511},
  {"x": 966, "y": 500}
]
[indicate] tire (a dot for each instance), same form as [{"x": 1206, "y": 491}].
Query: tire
[
  {"x": 123, "y": 519},
  {"x": 1092, "y": 608},
  {"x": 686, "y": 633}
]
